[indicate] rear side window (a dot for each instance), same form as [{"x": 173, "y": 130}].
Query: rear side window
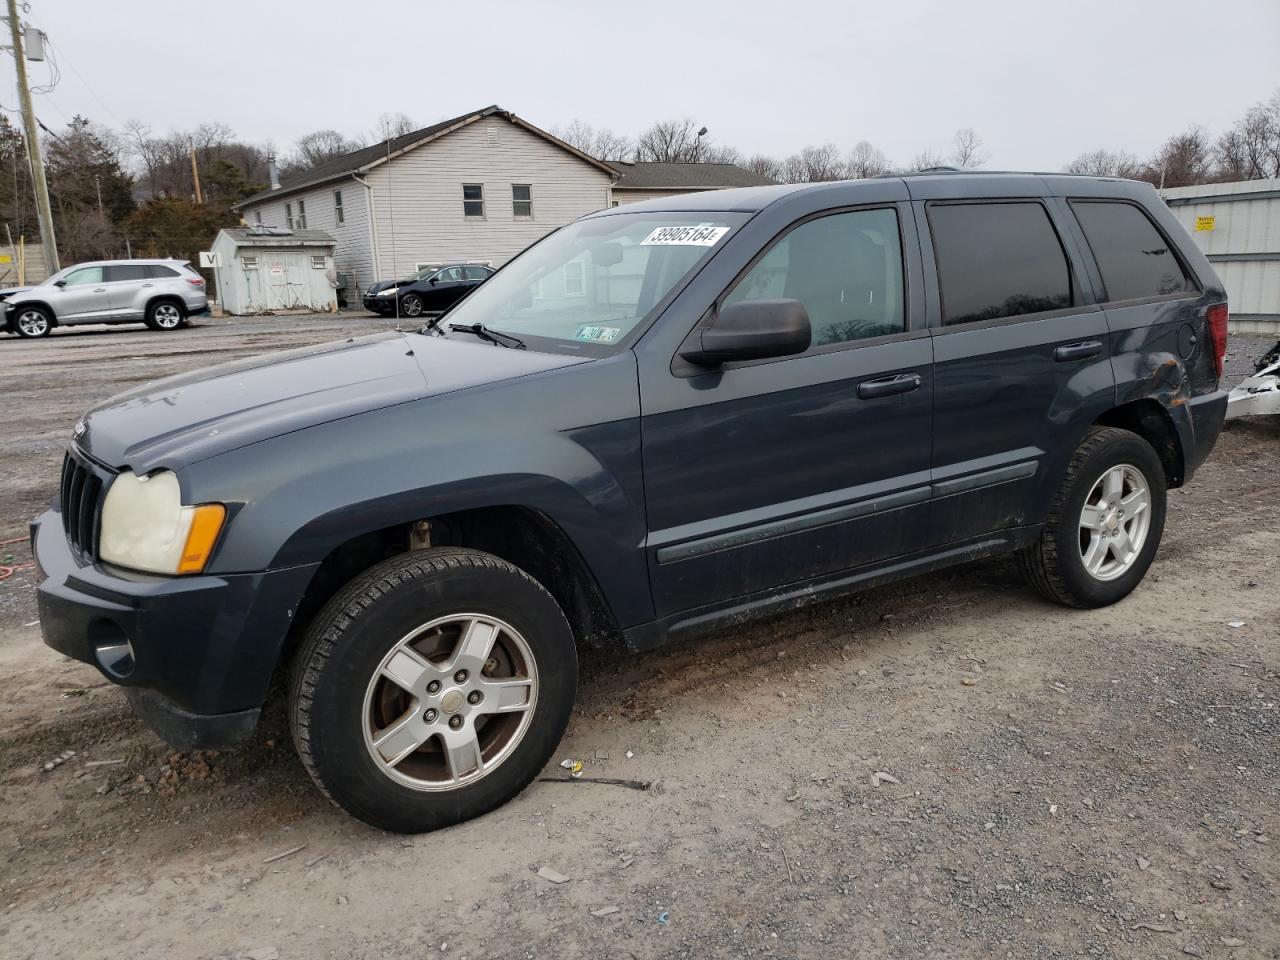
[
  {"x": 997, "y": 260},
  {"x": 1132, "y": 255},
  {"x": 845, "y": 268},
  {"x": 475, "y": 273},
  {"x": 127, "y": 271},
  {"x": 161, "y": 272}
]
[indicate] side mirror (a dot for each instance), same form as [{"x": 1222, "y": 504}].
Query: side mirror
[
  {"x": 59, "y": 283},
  {"x": 751, "y": 330},
  {"x": 432, "y": 281}
]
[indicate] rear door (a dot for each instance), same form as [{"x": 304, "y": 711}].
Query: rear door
[
  {"x": 769, "y": 474},
  {"x": 1021, "y": 359},
  {"x": 82, "y": 298},
  {"x": 128, "y": 285},
  {"x": 444, "y": 289}
]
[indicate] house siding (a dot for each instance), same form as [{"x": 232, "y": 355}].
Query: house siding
[
  {"x": 354, "y": 252},
  {"x": 418, "y": 196}
]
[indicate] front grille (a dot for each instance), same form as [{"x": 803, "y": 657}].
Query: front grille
[{"x": 81, "y": 506}]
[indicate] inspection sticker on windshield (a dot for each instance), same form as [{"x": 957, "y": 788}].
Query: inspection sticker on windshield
[
  {"x": 598, "y": 334},
  {"x": 700, "y": 235}
]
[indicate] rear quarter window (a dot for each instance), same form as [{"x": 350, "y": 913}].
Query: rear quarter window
[
  {"x": 1134, "y": 258},
  {"x": 997, "y": 260},
  {"x": 160, "y": 272}
]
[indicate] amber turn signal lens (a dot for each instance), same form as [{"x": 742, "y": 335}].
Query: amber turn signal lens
[{"x": 206, "y": 524}]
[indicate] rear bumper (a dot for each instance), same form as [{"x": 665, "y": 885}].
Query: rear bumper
[
  {"x": 197, "y": 654},
  {"x": 1200, "y": 428}
]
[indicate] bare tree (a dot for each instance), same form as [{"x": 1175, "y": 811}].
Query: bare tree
[
  {"x": 967, "y": 149},
  {"x": 672, "y": 141},
  {"x": 315, "y": 148},
  {"x": 598, "y": 142},
  {"x": 1106, "y": 163},
  {"x": 391, "y": 125},
  {"x": 147, "y": 150},
  {"x": 814, "y": 165},
  {"x": 865, "y": 161},
  {"x": 927, "y": 160},
  {"x": 1250, "y": 150},
  {"x": 764, "y": 166},
  {"x": 1185, "y": 159}
]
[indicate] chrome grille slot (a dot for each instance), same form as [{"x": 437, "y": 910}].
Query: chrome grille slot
[{"x": 81, "y": 501}]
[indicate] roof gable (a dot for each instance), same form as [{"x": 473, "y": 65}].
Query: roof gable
[{"x": 358, "y": 161}]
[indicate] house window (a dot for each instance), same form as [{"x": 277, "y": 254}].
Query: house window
[
  {"x": 573, "y": 279},
  {"x": 302, "y": 214},
  {"x": 249, "y": 263},
  {"x": 473, "y": 200},
  {"x": 257, "y": 217},
  {"x": 317, "y": 263},
  {"x": 288, "y": 215},
  {"x": 337, "y": 207},
  {"x": 522, "y": 200}
]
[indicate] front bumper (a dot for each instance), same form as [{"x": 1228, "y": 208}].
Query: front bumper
[{"x": 201, "y": 650}]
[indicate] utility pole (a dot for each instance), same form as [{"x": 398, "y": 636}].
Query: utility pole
[
  {"x": 43, "y": 210},
  {"x": 97, "y": 185},
  {"x": 195, "y": 172}
]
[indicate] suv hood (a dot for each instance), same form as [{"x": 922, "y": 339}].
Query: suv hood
[{"x": 194, "y": 416}]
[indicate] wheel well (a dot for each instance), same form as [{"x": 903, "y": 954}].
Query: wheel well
[
  {"x": 1149, "y": 420},
  {"x": 165, "y": 298},
  {"x": 526, "y": 538},
  {"x": 53, "y": 317}
]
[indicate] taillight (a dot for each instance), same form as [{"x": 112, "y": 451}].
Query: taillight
[
  {"x": 1217, "y": 316},
  {"x": 196, "y": 281}
]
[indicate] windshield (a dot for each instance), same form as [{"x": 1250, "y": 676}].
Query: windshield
[
  {"x": 421, "y": 274},
  {"x": 588, "y": 285}
]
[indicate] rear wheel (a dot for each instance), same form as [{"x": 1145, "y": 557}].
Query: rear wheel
[
  {"x": 165, "y": 315},
  {"x": 1105, "y": 524},
  {"x": 32, "y": 322},
  {"x": 432, "y": 689},
  {"x": 411, "y": 306}
]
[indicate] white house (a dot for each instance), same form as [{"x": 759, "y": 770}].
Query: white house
[{"x": 480, "y": 187}]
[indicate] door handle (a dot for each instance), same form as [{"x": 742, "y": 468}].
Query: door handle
[
  {"x": 148, "y": 284},
  {"x": 902, "y": 383},
  {"x": 1078, "y": 351},
  {"x": 99, "y": 289}
]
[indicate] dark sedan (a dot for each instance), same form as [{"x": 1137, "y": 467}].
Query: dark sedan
[{"x": 433, "y": 290}]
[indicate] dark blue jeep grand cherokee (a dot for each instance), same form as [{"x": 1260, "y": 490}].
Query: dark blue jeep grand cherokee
[{"x": 656, "y": 421}]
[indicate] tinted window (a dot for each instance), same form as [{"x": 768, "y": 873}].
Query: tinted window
[
  {"x": 846, "y": 269},
  {"x": 475, "y": 273},
  {"x": 160, "y": 272},
  {"x": 128, "y": 271},
  {"x": 997, "y": 260},
  {"x": 1135, "y": 260},
  {"x": 83, "y": 276}
]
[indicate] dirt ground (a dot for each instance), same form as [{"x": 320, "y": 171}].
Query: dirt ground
[{"x": 1062, "y": 784}]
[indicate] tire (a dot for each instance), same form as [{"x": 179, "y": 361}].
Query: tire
[
  {"x": 166, "y": 315},
  {"x": 373, "y": 747},
  {"x": 1095, "y": 558},
  {"x": 411, "y": 306},
  {"x": 32, "y": 322}
]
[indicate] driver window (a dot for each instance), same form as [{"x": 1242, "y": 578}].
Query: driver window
[
  {"x": 845, "y": 268},
  {"x": 83, "y": 276}
]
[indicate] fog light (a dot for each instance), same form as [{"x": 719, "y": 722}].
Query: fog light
[{"x": 114, "y": 653}]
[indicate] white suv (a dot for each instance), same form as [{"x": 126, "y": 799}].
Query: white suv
[{"x": 160, "y": 293}]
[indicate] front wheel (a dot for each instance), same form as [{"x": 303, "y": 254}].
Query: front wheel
[
  {"x": 411, "y": 306},
  {"x": 432, "y": 688},
  {"x": 1105, "y": 524},
  {"x": 165, "y": 315},
  {"x": 32, "y": 322}
]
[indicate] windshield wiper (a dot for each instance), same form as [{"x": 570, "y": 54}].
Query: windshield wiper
[{"x": 493, "y": 336}]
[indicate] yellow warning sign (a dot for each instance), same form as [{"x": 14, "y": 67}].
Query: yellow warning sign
[
  {"x": 1204, "y": 223},
  {"x": 5, "y": 258}
]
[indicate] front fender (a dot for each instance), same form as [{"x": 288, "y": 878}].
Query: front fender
[{"x": 565, "y": 443}]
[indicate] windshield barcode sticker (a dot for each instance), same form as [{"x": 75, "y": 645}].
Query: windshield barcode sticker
[
  {"x": 690, "y": 236},
  {"x": 598, "y": 334}
]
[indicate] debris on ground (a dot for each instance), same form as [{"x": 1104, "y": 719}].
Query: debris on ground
[
  {"x": 287, "y": 853},
  {"x": 573, "y": 766},
  {"x": 59, "y": 760},
  {"x": 606, "y": 911},
  {"x": 664, "y": 918},
  {"x": 552, "y": 876},
  {"x": 880, "y": 777}
]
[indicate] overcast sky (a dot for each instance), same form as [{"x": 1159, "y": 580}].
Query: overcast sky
[{"x": 1040, "y": 82}]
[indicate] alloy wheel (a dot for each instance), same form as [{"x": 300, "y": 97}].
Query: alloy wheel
[
  {"x": 33, "y": 323},
  {"x": 1114, "y": 522},
  {"x": 450, "y": 702},
  {"x": 411, "y": 306},
  {"x": 167, "y": 316}
]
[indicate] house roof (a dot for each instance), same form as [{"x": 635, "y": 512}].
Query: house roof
[
  {"x": 358, "y": 161},
  {"x": 277, "y": 237},
  {"x": 684, "y": 176}
]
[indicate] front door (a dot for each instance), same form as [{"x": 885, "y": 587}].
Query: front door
[
  {"x": 1021, "y": 362},
  {"x": 444, "y": 289},
  {"x": 771, "y": 473},
  {"x": 82, "y": 297}
]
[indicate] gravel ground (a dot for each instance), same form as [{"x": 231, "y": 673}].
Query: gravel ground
[{"x": 1060, "y": 783}]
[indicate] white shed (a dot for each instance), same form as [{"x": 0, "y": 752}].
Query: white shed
[{"x": 265, "y": 269}]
